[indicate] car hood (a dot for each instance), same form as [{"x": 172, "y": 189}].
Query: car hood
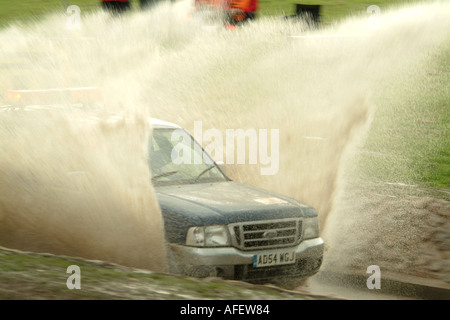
[{"x": 227, "y": 202}]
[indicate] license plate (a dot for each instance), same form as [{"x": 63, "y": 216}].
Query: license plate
[{"x": 274, "y": 258}]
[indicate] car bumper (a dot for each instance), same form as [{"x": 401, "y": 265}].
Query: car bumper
[{"x": 232, "y": 263}]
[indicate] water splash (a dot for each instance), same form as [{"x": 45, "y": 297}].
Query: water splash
[{"x": 77, "y": 189}]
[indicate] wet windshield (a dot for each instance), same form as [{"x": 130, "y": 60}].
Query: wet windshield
[{"x": 176, "y": 158}]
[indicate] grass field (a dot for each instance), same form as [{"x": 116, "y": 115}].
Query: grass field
[
  {"x": 35, "y": 276},
  {"x": 331, "y": 10},
  {"x": 415, "y": 150}
]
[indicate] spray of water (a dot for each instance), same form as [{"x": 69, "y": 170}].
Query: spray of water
[
  {"x": 83, "y": 189},
  {"x": 78, "y": 187}
]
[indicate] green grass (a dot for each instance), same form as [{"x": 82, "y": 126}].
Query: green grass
[
  {"x": 24, "y": 10},
  {"x": 331, "y": 10},
  {"x": 436, "y": 124},
  {"x": 409, "y": 139},
  {"x": 36, "y": 276}
]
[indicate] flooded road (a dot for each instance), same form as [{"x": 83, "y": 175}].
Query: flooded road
[{"x": 78, "y": 187}]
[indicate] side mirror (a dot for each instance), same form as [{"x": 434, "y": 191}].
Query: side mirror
[{"x": 222, "y": 166}]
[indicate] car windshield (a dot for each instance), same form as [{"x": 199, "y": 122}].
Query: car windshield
[{"x": 176, "y": 158}]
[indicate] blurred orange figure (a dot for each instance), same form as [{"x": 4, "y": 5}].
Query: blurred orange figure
[{"x": 238, "y": 10}]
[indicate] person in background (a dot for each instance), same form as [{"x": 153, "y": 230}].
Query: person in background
[
  {"x": 242, "y": 10},
  {"x": 147, "y": 4},
  {"x": 116, "y": 7},
  {"x": 237, "y": 11}
]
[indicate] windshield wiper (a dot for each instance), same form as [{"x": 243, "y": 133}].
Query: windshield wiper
[
  {"x": 203, "y": 172},
  {"x": 165, "y": 174}
]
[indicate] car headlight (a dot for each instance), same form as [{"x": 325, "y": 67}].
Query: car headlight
[
  {"x": 209, "y": 236},
  {"x": 310, "y": 228}
]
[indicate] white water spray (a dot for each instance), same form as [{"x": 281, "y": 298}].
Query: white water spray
[{"x": 316, "y": 90}]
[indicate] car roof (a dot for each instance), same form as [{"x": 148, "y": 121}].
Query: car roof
[
  {"x": 161, "y": 124},
  {"x": 154, "y": 122},
  {"x": 33, "y": 100}
]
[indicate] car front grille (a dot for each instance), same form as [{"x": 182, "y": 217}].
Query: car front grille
[
  {"x": 266, "y": 234},
  {"x": 302, "y": 267}
]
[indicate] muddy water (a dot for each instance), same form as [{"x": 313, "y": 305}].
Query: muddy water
[{"x": 81, "y": 187}]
